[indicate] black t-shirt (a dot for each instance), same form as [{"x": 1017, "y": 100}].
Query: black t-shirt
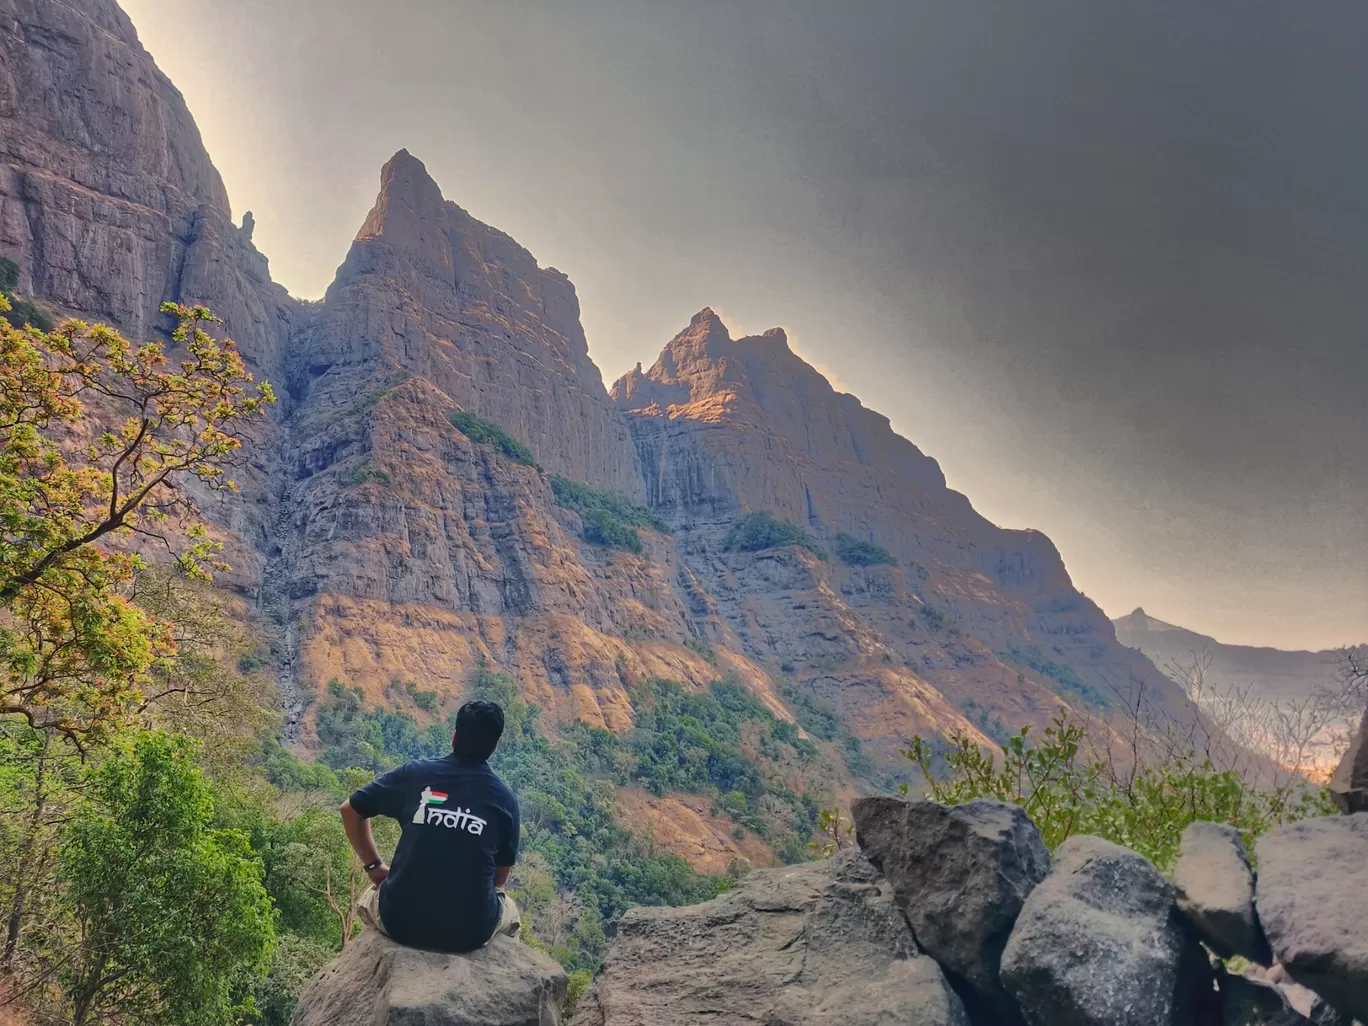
[{"x": 459, "y": 821}]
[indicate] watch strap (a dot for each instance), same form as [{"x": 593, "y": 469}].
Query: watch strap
[{"x": 372, "y": 865}]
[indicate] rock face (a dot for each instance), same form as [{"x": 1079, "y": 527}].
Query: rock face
[
  {"x": 815, "y": 944},
  {"x": 430, "y": 291},
  {"x": 727, "y": 426},
  {"x": 961, "y": 875},
  {"x": 1101, "y": 943},
  {"x": 1216, "y": 891},
  {"x": 1313, "y": 903},
  {"x": 110, "y": 206},
  {"x": 377, "y": 982},
  {"x": 1349, "y": 786}
]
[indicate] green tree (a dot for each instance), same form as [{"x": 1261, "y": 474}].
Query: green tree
[
  {"x": 75, "y": 652},
  {"x": 173, "y": 921}
]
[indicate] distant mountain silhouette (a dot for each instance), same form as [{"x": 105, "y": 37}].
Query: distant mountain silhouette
[{"x": 1273, "y": 672}]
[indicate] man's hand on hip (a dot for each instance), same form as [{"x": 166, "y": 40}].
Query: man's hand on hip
[{"x": 378, "y": 874}]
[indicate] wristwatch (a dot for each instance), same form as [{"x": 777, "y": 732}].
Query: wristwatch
[{"x": 372, "y": 865}]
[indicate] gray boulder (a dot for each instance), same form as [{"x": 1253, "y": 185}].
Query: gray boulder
[
  {"x": 960, "y": 874},
  {"x": 1312, "y": 897},
  {"x": 376, "y": 982},
  {"x": 820, "y": 944},
  {"x": 1215, "y": 888},
  {"x": 1101, "y": 943},
  {"x": 1349, "y": 785}
]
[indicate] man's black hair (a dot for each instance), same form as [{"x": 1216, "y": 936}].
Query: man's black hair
[{"x": 479, "y": 725}]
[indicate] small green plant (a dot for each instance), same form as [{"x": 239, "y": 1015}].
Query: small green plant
[
  {"x": 833, "y": 832},
  {"x": 1067, "y": 788},
  {"x": 761, "y": 530},
  {"x": 486, "y": 432},
  {"x": 249, "y": 662},
  {"x": 368, "y": 472},
  {"x": 854, "y": 552}
]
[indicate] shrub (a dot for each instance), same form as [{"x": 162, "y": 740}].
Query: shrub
[
  {"x": 934, "y": 618},
  {"x": 21, "y": 311},
  {"x": 1067, "y": 788},
  {"x": 1064, "y": 675},
  {"x": 368, "y": 472},
  {"x": 854, "y": 552},
  {"x": 609, "y": 518},
  {"x": 486, "y": 432},
  {"x": 763, "y": 530}
]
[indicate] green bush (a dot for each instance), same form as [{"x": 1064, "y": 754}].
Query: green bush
[
  {"x": 601, "y": 528},
  {"x": 21, "y": 311},
  {"x": 609, "y": 518},
  {"x": 1067, "y": 788},
  {"x": 763, "y": 530},
  {"x": 582, "y": 499},
  {"x": 486, "y": 432},
  {"x": 933, "y": 617},
  {"x": 1065, "y": 676},
  {"x": 854, "y": 552},
  {"x": 368, "y": 472}
]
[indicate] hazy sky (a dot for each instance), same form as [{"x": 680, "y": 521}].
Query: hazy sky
[{"x": 1105, "y": 260}]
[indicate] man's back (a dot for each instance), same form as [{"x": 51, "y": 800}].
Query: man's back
[{"x": 459, "y": 821}]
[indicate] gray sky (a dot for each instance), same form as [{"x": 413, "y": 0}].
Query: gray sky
[{"x": 1102, "y": 259}]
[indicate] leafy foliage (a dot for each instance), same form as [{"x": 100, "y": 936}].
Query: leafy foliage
[
  {"x": 855, "y": 552},
  {"x": 75, "y": 653},
  {"x": 1068, "y": 789},
  {"x": 609, "y": 517},
  {"x": 1065, "y": 676},
  {"x": 173, "y": 918},
  {"x": 696, "y": 741},
  {"x": 820, "y": 719},
  {"x": 368, "y": 472},
  {"x": 486, "y": 432},
  {"x": 761, "y": 530},
  {"x": 19, "y": 312}
]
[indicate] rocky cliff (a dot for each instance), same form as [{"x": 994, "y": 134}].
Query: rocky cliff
[
  {"x": 110, "y": 206},
  {"x": 376, "y": 540}
]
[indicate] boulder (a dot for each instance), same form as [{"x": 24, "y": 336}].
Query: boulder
[
  {"x": 1101, "y": 943},
  {"x": 1215, "y": 888},
  {"x": 1312, "y": 898},
  {"x": 1306, "y": 1002},
  {"x": 1246, "y": 1002},
  {"x": 376, "y": 982},
  {"x": 820, "y": 944},
  {"x": 1349, "y": 785},
  {"x": 960, "y": 874}
]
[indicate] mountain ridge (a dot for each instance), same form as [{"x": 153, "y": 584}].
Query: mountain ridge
[{"x": 375, "y": 540}]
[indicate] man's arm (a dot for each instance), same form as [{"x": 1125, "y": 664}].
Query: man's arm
[
  {"x": 501, "y": 877},
  {"x": 358, "y": 830}
]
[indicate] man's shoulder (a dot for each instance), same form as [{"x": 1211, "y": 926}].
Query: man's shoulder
[
  {"x": 501, "y": 785},
  {"x": 420, "y": 767}
]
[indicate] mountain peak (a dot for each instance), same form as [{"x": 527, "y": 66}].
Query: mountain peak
[{"x": 408, "y": 197}]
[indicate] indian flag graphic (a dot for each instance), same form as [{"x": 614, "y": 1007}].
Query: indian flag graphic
[{"x": 428, "y": 797}]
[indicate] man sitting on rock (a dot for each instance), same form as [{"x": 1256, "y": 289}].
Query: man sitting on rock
[{"x": 459, "y": 841}]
